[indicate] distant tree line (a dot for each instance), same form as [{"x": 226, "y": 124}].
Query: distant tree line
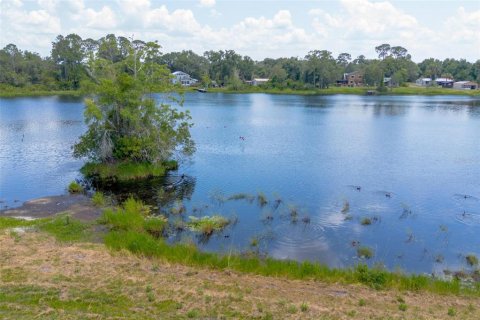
[{"x": 71, "y": 61}]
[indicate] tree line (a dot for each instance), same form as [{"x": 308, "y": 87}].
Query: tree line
[{"x": 72, "y": 59}]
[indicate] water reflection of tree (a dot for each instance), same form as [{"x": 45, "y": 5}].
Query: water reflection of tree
[{"x": 161, "y": 192}]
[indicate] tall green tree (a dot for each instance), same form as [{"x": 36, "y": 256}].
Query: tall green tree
[{"x": 124, "y": 123}]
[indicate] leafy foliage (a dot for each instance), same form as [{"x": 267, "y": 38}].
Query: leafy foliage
[{"x": 124, "y": 121}]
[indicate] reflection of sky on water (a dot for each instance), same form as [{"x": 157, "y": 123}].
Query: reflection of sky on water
[{"x": 310, "y": 151}]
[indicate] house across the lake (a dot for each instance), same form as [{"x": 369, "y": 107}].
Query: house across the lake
[
  {"x": 352, "y": 79},
  {"x": 465, "y": 85},
  {"x": 444, "y": 82},
  {"x": 258, "y": 81},
  {"x": 424, "y": 82},
  {"x": 183, "y": 78}
]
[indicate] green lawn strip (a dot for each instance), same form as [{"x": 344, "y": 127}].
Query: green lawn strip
[{"x": 62, "y": 227}]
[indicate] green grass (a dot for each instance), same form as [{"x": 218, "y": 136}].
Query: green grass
[
  {"x": 62, "y": 227},
  {"x": 75, "y": 187},
  {"x": 131, "y": 229},
  {"x": 124, "y": 171},
  {"x": 8, "y": 223},
  {"x": 7, "y": 91},
  {"x": 66, "y": 229},
  {"x": 99, "y": 199},
  {"x": 207, "y": 224},
  {"x": 188, "y": 254}
]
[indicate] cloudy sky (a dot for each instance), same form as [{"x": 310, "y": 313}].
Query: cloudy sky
[{"x": 259, "y": 28}]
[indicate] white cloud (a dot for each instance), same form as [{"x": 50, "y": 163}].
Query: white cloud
[
  {"x": 464, "y": 26},
  {"x": 103, "y": 19},
  {"x": 207, "y": 3}
]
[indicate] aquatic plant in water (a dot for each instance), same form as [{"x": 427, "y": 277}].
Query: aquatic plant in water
[
  {"x": 472, "y": 260},
  {"x": 262, "y": 199},
  {"x": 241, "y": 196},
  {"x": 365, "y": 252},
  {"x": 346, "y": 206},
  {"x": 207, "y": 224}
]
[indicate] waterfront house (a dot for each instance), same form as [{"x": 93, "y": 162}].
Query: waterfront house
[
  {"x": 259, "y": 81},
  {"x": 444, "y": 82},
  {"x": 183, "y": 78},
  {"x": 352, "y": 79},
  {"x": 465, "y": 85},
  {"x": 424, "y": 82}
]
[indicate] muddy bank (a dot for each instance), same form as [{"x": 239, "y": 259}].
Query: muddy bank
[{"x": 78, "y": 205}]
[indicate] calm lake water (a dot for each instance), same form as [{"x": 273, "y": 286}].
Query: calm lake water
[{"x": 415, "y": 160}]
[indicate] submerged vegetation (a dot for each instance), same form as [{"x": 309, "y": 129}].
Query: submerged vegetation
[{"x": 208, "y": 224}]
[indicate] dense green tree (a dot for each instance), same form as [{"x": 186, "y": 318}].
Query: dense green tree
[
  {"x": 124, "y": 123},
  {"x": 68, "y": 54}
]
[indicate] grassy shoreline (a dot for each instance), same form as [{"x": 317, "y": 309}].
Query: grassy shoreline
[
  {"x": 29, "y": 92},
  {"x": 130, "y": 228},
  {"x": 103, "y": 266}
]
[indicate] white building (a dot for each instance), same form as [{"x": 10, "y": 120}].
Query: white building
[
  {"x": 465, "y": 85},
  {"x": 258, "y": 81},
  {"x": 183, "y": 78},
  {"x": 424, "y": 82}
]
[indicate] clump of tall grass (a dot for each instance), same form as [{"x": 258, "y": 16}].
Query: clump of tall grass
[
  {"x": 74, "y": 187},
  {"x": 366, "y": 221},
  {"x": 131, "y": 216},
  {"x": 155, "y": 225},
  {"x": 365, "y": 252},
  {"x": 262, "y": 199},
  {"x": 99, "y": 199},
  {"x": 208, "y": 224}
]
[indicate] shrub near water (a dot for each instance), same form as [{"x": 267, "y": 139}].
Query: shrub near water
[
  {"x": 74, "y": 187},
  {"x": 131, "y": 216}
]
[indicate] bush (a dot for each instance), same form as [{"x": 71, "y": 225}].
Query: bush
[
  {"x": 98, "y": 199},
  {"x": 130, "y": 217},
  {"x": 74, "y": 187}
]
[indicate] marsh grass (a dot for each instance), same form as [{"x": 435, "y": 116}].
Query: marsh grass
[
  {"x": 124, "y": 171},
  {"x": 207, "y": 225},
  {"x": 262, "y": 199},
  {"x": 365, "y": 252},
  {"x": 472, "y": 260},
  {"x": 241, "y": 196},
  {"x": 99, "y": 199},
  {"x": 74, "y": 187}
]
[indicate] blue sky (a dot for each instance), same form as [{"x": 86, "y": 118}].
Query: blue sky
[{"x": 260, "y": 29}]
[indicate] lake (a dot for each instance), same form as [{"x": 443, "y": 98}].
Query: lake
[{"x": 327, "y": 165}]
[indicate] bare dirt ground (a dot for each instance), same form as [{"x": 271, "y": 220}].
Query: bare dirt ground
[
  {"x": 78, "y": 205},
  {"x": 41, "y": 278}
]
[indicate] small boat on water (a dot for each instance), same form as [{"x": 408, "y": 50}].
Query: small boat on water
[{"x": 202, "y": 90}]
